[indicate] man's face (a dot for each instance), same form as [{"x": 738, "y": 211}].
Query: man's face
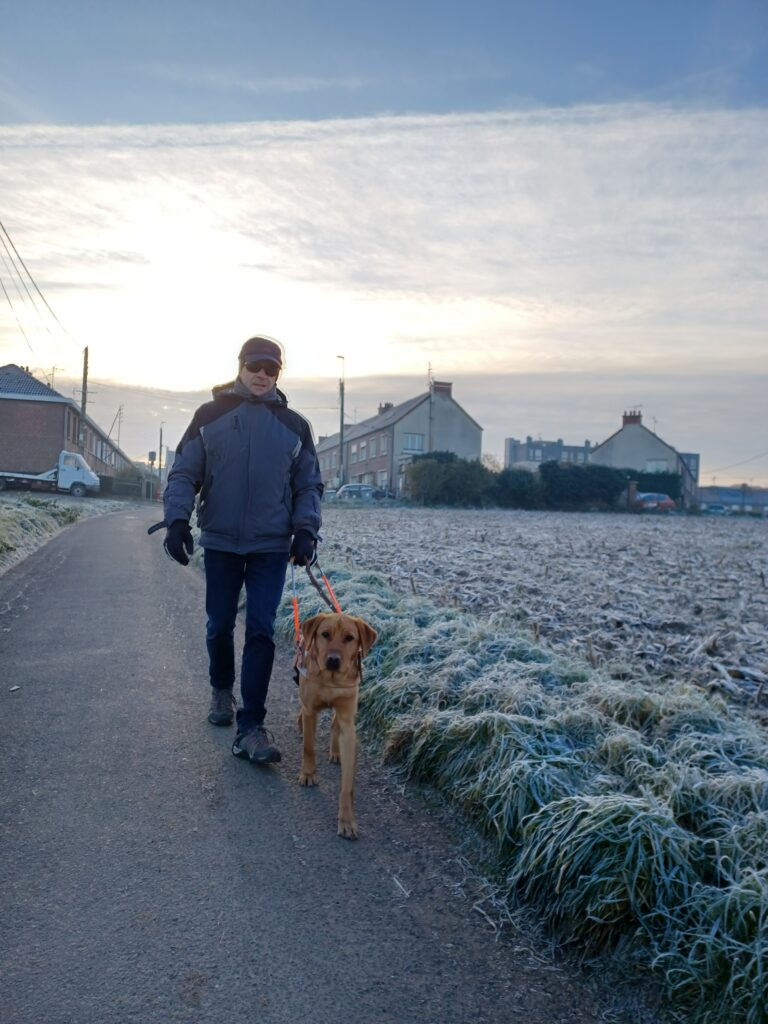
[{"x": 259, "y": 376}]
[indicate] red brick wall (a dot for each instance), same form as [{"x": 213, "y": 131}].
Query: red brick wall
[{"x": 31, "y": 435}]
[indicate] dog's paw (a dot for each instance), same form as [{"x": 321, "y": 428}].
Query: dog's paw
[
  {"x": 307, "y": 779},
  {"x": 334, "y": 757},
  {"x": 347, "y": 829}
]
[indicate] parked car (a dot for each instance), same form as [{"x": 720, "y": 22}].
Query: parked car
[
  {"x": 717, "y": 510},
  {"x": 355, "y": 492},
  {"x": 329, "y": 493},
  {"x": 651, "y": 501}
]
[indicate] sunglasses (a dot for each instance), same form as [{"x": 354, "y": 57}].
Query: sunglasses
[{"x": 271, "y": 369}]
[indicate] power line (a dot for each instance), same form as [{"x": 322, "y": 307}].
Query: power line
[
  {"x": 34, "y": 283},
  {"x": 8, "y": 297},
  {"x": 18, "y": 273},
  {"x": 733, "y": 465}
]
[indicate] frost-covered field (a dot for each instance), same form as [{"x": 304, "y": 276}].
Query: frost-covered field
[
  {"x": 29, "y": 519},
  {"x": 645, "y": 596}
]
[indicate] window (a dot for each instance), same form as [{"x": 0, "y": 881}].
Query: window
[
  {"x": 382, "y": 479},
  {"x": 334, "y": 458},
  {"x": 537, "y": 454},
  {"x": 413, "y": 442},
  {"x": 372, "y": 448},
  {"x": 384, "y": 447},
  {"x": 353, "y": 453},
  {"x": 656, "y": 465},
  {"x": 362, "y": 451}
]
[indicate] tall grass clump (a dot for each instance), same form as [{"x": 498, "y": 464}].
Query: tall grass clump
[{"x": 633, "y": 817}]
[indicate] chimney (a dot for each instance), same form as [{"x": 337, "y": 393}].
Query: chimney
[
  {"x": 633, "y": 416},
  {"x": 385, "y": 407},
  {"x": 442, "y": 387}
]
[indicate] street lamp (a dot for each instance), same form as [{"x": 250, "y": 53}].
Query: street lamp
[
  {"x": 160, "y": 457},
  {"x": 342, "y": 480}
]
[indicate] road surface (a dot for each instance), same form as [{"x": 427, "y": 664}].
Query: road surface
[{"x": 148, "y": 876}]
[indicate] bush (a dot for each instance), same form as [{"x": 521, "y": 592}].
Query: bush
[
  {"x": 441, "y": 480},
  {"x": 578, "y": 487},
  {"x": 517, "y": 488}
]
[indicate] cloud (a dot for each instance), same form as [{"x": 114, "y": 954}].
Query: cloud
[{"x": 607, "y": 241}]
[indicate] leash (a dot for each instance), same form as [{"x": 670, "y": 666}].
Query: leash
[{"x": 298, "y": 658}]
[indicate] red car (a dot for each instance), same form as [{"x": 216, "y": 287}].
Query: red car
[{"x": 655, "y": 502}]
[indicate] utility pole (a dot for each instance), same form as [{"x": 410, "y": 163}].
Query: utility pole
[
  {"x": 430, "y": 385},
  {"x": 83, "y": 401},
  {"x": 342, "y": 474}
]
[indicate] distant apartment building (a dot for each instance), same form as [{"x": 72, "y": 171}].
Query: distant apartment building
[
  {"x": 377, "y": 450},
  {"x": 530, "y": 454}
]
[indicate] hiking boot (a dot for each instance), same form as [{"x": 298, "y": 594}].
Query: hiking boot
[
  {"x": 223, "y": 705},
  {"x": 256, "y": 745}
]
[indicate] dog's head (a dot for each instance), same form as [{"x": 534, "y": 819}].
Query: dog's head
[{"x": 339, "y": 642}]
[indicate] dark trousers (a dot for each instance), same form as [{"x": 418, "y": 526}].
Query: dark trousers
[{"x": 264, "y": 577}]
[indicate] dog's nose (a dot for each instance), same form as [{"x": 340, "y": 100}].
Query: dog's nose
[{"x": 333, "y": 662}]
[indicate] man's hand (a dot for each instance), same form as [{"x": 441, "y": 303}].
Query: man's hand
[
  {"x": 303, "y": 548},
  {"x": 178, "y": 541}
]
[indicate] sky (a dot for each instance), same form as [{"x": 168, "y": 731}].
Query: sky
[{"x": 561, "y": 207}]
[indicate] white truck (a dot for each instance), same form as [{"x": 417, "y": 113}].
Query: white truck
[{"x": 71, "y": 474}]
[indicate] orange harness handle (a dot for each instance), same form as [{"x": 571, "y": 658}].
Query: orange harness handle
[{"x": 334, "y": 599}]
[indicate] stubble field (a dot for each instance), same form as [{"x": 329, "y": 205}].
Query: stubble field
[{"x": 649, "y": 597}]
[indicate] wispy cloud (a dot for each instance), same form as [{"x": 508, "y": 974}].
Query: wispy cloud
[{"x": 612, "y": 240}]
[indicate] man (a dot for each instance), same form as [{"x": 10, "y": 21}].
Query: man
[{"x": 252, "y": 462}]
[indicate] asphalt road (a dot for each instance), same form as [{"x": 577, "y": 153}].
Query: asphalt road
[{"x": 148, "y": 876}]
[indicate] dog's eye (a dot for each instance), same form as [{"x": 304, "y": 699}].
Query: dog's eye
[
  {"x": 325, "y": 634},
  {"x": 349, "y": 639}
]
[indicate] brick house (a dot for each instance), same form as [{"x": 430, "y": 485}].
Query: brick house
[
  {"x": 37, "y": 423},
  {"x": 377, "y": 450}
]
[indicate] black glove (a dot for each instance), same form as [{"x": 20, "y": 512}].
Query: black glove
[
  {"x": 178, "y": 538},
  {"x": 303, "y": 548}
]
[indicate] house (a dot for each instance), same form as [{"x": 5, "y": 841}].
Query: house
[
  {"x": 636, "y": 447},
  {"x": 530, "y": 454},
  {"x": 377, "y": 450},
  {"x": 37, "y": 423}
]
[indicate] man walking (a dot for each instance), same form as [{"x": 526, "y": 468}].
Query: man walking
[{"x": 251, "y": 462}]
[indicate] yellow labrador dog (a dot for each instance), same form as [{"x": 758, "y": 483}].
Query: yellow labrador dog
[{"x": 334, "y": 648}]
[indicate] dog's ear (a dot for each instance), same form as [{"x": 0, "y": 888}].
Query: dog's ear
[
  {"x": 368, "y": 635},
  {"x": 309, "y": 627}
]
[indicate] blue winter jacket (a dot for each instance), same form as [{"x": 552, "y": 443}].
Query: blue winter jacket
[{"x": 252, "y": 462}]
